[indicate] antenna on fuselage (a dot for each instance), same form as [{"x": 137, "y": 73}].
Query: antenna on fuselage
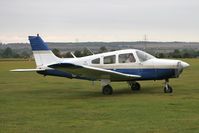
[
  {"x": 73, "y": 55},
  {"x": 90, "y": 51}
]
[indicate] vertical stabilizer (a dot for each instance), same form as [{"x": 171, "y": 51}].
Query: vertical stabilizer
[{"x": 42, "y": 54}]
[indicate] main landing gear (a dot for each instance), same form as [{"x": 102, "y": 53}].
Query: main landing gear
[
  {"x": 106, "y": 88},
  {"x": 167, "y": 87},
  {"x": 135, "y": 86}
]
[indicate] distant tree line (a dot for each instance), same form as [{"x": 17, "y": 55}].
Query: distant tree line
[
  {"x": 10, "y": 53},
  {"x": 186, "y": 53},
  {"x": 78, "y": 53}
]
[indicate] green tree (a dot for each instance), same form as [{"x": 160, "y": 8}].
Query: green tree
[
  {"x": 67, "y": 55},
  {"x": 186, "y": 55},
  {"x": 78, "y": 53},
  {"x": 103, "y": 49},
  {"x": 161, "y": 55},
  {"x": 56, "y": 52},
  {"x": 1, "y": 52},
  {"x": 176, "y": 54},
  {"x": 197, "y": 54},
  {"x": 7, "y": 53},
  {"x": 86, "y": 52},
  {"x": 25, "y": 54}
]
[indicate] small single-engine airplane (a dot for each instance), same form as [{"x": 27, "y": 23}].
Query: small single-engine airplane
[{"x": 129, "y": 65}]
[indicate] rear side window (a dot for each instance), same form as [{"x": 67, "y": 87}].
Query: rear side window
[
  {"x": 96, "y": 61},
  {"x": 109, "y": 59},
  {"x": 126, "y": 58}
]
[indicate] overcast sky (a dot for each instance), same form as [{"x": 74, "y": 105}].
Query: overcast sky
[{"x": 99, "y": 20}]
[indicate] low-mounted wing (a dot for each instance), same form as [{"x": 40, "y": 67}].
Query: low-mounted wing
[
  {"x": 27, "y": 70},
  {"x": 93, "y": 73}
]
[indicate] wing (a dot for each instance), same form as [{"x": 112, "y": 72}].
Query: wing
[
  {"x": 93, "y": 73},
  {"x": 26, "y": 70}
]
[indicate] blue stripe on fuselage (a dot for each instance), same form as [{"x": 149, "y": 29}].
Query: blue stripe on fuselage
[
  {"x": 146, "y": 74},
  {"x": 149, "y": 74}
]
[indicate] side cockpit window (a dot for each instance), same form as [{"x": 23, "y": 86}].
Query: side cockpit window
[
  {"x": 126, "y": 58},
  {"x": 96, "y": 61},
  {"x": 109, "y": 59}
]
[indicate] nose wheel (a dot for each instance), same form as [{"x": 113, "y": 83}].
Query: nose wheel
[{"x": 167, "y": 87}]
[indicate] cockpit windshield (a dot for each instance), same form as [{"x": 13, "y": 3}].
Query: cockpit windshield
[{"x": 144, "y": 56}]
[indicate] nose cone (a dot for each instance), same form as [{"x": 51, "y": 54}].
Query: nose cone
[{"x": 184, "y": 64}]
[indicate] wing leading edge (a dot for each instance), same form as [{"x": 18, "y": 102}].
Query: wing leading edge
[{"x": 93, "y": 72}]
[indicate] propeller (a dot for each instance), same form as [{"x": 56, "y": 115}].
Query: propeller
[{"x": 179, "y": 69}]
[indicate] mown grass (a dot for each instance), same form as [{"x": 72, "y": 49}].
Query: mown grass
[{"x": 31, "y": 103}]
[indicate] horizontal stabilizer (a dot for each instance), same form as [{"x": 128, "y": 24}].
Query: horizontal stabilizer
[{"x": 27, "y": 70}]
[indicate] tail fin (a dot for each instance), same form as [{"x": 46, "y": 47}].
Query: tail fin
[{"x": 42, "y": 54}]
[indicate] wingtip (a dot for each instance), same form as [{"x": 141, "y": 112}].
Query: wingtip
[{"x": 15, "y": 70}]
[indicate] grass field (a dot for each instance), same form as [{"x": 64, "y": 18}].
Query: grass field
[{"x": 30, "y": 103}]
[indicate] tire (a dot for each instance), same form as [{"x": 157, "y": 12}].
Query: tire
[
  {"x": 135, "y": 86},
  {"x": 168, "y": 89},
  {"x": 107, "y": 90}
]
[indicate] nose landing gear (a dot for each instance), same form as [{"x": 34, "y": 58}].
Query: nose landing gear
[{"x": 167, "y": 87}]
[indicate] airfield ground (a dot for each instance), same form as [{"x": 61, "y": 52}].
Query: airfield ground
[{"x": 30, "y": 103}]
